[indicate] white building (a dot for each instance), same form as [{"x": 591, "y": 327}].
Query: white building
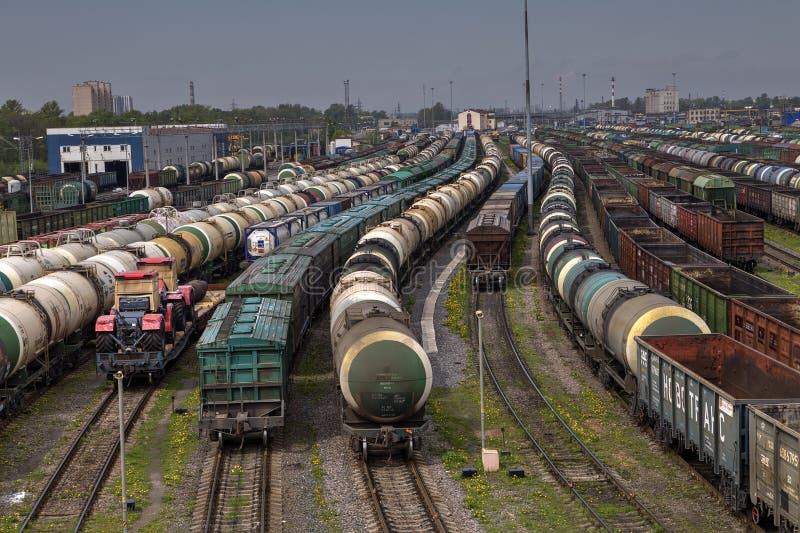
[
  {"x": 709, "y": 114},
  {"x": 605, "y": 116},
  {"x": 122, "y": 104},
  {"x": 476, "y": 119},
  {"x": 396, "y": 123},
  {"x": 657, "y": 101}
]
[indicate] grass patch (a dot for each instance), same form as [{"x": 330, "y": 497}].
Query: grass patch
[
  {"x": 784, "y": 280},
  {"x": 785, "y": 238},
  {"x": 314, "y": 368},
  {"x": 175, "y": 448},
  {"x": 327, "y": 514},
  {"x": 457, "y": 303}
]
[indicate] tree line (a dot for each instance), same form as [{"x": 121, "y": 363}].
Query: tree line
[{"x": 17, "y": 121}]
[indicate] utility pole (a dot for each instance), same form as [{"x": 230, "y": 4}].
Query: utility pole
[
  {"x": 560, "y": 96},
  {"x": 584, "y": 91},
  {"x": 433, "y": 119},
  {"x": 146, "y": 172},
  {"x": 119, "y": 376},
  {"x": 83, "y": 168},
  {"x": 541, "y": 109},
  {"x": 451, "y": 103},
  {"x": 186, "y": 159},
  {"x": 528, "y": 124},
  {"x": 346, "y": 101},
  {"x": 424, "y": 111},
  {"x": 675, "y": 102},
  {"x": 264, "y": 148}
]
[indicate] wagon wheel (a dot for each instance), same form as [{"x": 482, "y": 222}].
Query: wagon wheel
[{"x": 755, "y": 514}]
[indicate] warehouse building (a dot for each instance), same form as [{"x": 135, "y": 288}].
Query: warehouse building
[
  {"x": 709, "y": 114},
  {"x": 122, "y": 149},
  {"x": 476, "y": 119}
]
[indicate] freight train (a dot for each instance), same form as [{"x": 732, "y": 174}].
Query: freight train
[
  {"x": 711, "y": 221},
  {"x": 44, "y": 325},
  {"x": 383, "y": 372},
  {"x": 705, "y": 393},
  {"x": 491, "y": 232},
  {"x": 246, "y": 351}
]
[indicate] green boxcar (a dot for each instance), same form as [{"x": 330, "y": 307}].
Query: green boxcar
[
  {"x": 716, "y": 189},
  {"x": 391, "y": 203},
  {"x": 707, "y": 291},
  {"x": 244, "y": 365},
  {"x": 346, "y": 229}
]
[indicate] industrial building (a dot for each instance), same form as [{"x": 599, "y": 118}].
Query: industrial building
[
  {"x": 91, "y": 96},
  {"x": 122, "y": 149},
  {"x": 123, "y": 104},
  {"x": 397, "y": 123},
  {"x": 658, "y": 101},
  {"x": 709, "y": 114},
  {"x": 476, "y": 119}
]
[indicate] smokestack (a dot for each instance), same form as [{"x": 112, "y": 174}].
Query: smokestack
[
  {"x": 612, "y": 92},
  {"x": 191, "y": 93},
  {"x": 560, "y": 99}
]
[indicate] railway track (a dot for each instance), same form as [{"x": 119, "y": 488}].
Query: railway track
[
  {"x": 73, "y": 487},
  {"x": 400, "y": 497},
  {"x": 784, "y": 256},
  {"x": 611, "y": 504},
  {"x": 234, "y": 493}
]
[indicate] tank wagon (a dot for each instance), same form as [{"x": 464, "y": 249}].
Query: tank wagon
[
  {"x": 492, "y": 230},
  {"x": 201, "y": 241},
  {"x": 231, "y": 402},
  {"x": 603, "y": 308},
  {"x": 706, "y": 393},
  {"x": 383, "y": 372}
]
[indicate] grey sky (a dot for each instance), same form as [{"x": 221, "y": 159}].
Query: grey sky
[{"x": 300, "y": 51}]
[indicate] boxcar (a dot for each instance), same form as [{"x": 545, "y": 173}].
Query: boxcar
[
  {"x": 731, "y": 235},
  {"x": 244, "y": 367},
  {"x": 697, "y": 388},
  {"x": 775, "y": 464},
  {"x": 707, "y": 290},
  {"x": 770, "y": 325}
]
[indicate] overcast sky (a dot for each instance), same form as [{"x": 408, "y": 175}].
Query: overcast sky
[{"x": 299, "y": 51}]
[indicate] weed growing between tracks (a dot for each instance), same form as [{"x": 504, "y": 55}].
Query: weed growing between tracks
[
  {"x": 327, "y": 512},
  {"x": 174, "y": 448},
  {"x": 783, "y": 237},
  {"x": 499, "y": 502},
  {"x": 781, "y": 278}
]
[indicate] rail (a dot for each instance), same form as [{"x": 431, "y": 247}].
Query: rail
[
  {"x": 386, "y": 482},
  {"x": 784, "y": 256},
  {"x": 104, "y": 417},
  {"x": 558, "y": 460},
  {"x": 237, "y": 491}
]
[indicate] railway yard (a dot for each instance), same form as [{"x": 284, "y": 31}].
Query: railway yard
[{"x": 299, "y": 347}]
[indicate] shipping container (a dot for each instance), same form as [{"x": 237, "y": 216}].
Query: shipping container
[
  {"x": 697, "y": 388},
  {"x": 708, "y": 290}
]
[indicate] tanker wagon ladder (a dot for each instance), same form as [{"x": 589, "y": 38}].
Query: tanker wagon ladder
[
  {"x": 400, "y": 497},
  {"x": 74, "y": 485},
  {"x": 235, "y": 491},
  {"x": 609, "y": 502},
  {"x": 786, "y": 257}
]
